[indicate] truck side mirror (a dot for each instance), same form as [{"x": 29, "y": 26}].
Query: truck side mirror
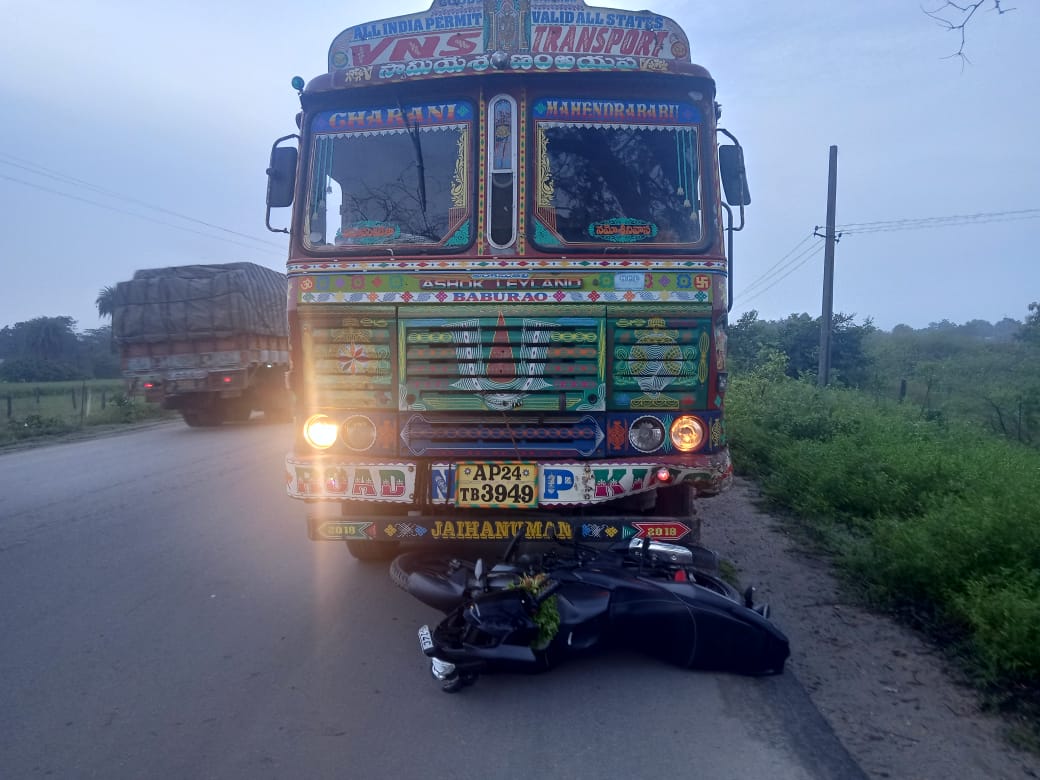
[
  {"x": 281, "y": 177},
  {"x": 734, "y": 177}
]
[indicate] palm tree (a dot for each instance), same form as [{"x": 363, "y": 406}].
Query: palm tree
[
  {"x": 105, "y": 301},
  {"x": 50, "y": 338}
]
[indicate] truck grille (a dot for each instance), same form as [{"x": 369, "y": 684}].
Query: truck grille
[
  {"x": 502, "y": 363},
  {"x": 659, "y": 363},
  {"x": 349, "y": 361},
  {"x": 560, "y": 436}
]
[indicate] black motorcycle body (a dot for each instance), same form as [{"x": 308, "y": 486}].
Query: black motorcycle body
[{"x": 642, "y": 595}]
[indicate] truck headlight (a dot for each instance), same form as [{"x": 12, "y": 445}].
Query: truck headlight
[
  {"x": 646, "y": 434},
  {"x": 320, "y": 431},
  {"x": 687, "y": 433},
  {"x": 359, "y": 432}
]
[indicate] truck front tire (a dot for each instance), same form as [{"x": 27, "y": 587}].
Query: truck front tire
[
  {"x": 680, "y": 502},
  {"x": 372, "y": 551},
  {"x": 202, "y": 418}
]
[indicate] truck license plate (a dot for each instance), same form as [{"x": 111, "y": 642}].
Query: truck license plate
[
  {"x": 510, "y": 485},
  {"x": 425, "y": 640}
]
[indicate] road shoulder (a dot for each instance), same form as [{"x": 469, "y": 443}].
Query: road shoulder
[{"x": 883, "y": 688}]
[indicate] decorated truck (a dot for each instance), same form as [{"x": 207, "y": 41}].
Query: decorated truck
[
  {"x": 210, "y": 341},
  {"x": 508, "y": 277}
]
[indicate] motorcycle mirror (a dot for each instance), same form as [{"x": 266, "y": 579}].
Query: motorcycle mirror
[{"x": 478, "y": 572}]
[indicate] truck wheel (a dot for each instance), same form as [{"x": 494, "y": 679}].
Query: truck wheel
[
  {"x": 372, "y": 551},
  {"x": 679, "y": 501},
  {"x": 278, "y": 414},
  {"x": 239, "y": 410},
  {"x": 206, "y": 418}
]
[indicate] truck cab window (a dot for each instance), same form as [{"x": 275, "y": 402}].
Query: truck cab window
[
  {"x": 612, "y": 172},
  {"x": 391, "y": 176}
]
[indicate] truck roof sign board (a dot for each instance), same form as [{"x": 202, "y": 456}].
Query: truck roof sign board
[{"x": 456, "y": 36}]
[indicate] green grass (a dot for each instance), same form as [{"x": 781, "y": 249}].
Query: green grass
[
  {"x": 41, "y": 410},
  {"x": 938, "y": 521}
]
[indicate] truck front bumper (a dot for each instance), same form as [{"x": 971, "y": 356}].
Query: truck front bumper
[{"x": 408, "y": 499}]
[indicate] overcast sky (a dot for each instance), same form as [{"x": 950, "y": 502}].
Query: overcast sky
[{"x": 122, "y": 119}]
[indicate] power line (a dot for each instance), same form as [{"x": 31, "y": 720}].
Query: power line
[
  {"x": 796, "y": 262},
  {"x": 765, "y": 274},
  {"x": 131, "y": 213},
  {"x": 39, "y": 170},
  {"x": 790, "y": 261},
  {"x": 812, "y": 252},
  {"x": 928, "y": 222}
]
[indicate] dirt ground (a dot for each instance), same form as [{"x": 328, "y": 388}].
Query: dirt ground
[{"x": 882, "y": 687}]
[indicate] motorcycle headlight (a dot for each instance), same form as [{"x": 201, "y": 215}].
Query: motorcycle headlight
[
  {"x": 687, "y": 433},
  {"x": 320, "y": 431},
  {"x": 646, "y": 434}
]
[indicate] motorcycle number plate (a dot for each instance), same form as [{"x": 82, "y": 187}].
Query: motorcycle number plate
[
  {"x": 425, "y": 640},
  {"x": 497, "y": 485}
]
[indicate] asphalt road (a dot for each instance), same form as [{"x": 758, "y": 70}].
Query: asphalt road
[{"x": 163, "y": 614}]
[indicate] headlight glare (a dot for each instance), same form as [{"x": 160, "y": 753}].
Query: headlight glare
[{"x": 320, "y": 431}]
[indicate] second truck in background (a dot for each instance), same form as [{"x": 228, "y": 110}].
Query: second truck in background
[{"x": 210, "y": 341}]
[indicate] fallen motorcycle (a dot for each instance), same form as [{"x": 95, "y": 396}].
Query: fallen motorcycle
[{"x": 529, "y": 612}]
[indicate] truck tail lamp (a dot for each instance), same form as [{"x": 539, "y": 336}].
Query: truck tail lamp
[{"x": 229, "y": 381}]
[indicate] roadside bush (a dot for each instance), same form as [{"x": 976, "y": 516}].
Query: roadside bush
[
  {"x": 39, "y": 411},
  {"x": 1003, "y": 612},
  {"x": 835, "y": 454},
  {"x": 939, "y": 520},
  {"x": 927, "y": 559},
  {"x": 36, "y": 425}
]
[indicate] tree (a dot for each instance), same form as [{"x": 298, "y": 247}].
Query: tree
[
  {"x": 50, "y": 338},
  {"x": 98, "y": 358},
  {"x": 747, "y": 338},
  {"x": 1030, "y": 332},
  {"x": 48, "y": 349},
  {"x": 752, "y": 341},
  {"x": 954, "y": 17},
  {"x": 850, "y": 362},
  {"x": 798, "y": 337},
  {"x": 105, "y": 301},
  {"x": 971, "y": 372}
]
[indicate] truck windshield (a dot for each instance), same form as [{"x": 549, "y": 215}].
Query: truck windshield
[
  {"x": 612, "y": 172},
  {"x": 378, "y": 175}
]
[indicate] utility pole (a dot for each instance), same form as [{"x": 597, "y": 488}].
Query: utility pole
[{"x": 826, "y": 321}]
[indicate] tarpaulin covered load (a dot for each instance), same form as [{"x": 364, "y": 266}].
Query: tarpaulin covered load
[{"x": 199, "y": 302}]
